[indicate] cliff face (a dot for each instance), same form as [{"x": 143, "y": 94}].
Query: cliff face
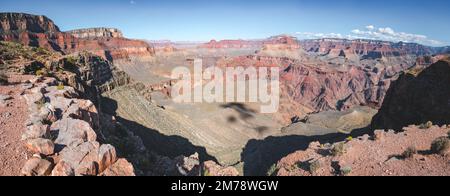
[
  {"x": 24, "y": 22},
  {"x": 39, "y": 31},
  {"x": 315, "y": 86},
  {"x": 223, "y": 44},
  {"x": 272, "y": 42},
  {"x": 32, "y": 30},
  {"x": 417, "y": 97},
  {"x": 367, "y": 49},
  {"x": 94, "y": 33}
]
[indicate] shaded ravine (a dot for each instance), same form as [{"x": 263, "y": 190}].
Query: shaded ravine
[{"x": 170, "y": 146}]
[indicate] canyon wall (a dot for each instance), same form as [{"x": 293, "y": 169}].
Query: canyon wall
[
  {"x": 367, "y": 49},
  {"x": 281, "y": 40},
  {"x": 39, "y": 31},
  {"x": 94, "y": 33}
]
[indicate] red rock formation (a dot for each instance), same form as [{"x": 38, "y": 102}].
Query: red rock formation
[
  {"x": 315, "y": 86},
  {"x": 39, "y": 31},
  {"x": 95, "y": 33},
  {"x": 276, "y": 41},
  {"x": 213, "y": 44},
  {"x": 368, "y": 49}
]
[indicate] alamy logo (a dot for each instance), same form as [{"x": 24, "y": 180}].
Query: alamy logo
[{"x": 228, "y": 85}]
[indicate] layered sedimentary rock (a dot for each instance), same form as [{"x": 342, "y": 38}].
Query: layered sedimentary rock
[
  {"x": 367, "y": 49},
  {"x": 314, "y": 86},
  {"x": 223, "y": 44},
  {"x": 272, "y": 42},
  {"x": 110, "y": 44},
  {"x": 418, "y": 96},
  {"x": 95, "y": 33},
  {"x": 26, "y": 22},
  {"x": 39, "y": 31}
]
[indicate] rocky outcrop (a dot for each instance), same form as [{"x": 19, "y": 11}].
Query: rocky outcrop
[
  {"x": 96, "y": 33},
  {"x": 25, "y": 22},
  {"x": 418, "y": 96},
  {"x": 62, "y": 131},
  {"x": 39, "y": 31},
  {"x": 384, "y": 154}
]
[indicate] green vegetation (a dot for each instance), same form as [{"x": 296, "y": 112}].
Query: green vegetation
[
  {"x": 71, "y": 60},
  {"x": 345, "y": 171},
  {"x": 338, "y": 149},
  {"x": 206, "y": 173},
  {"x": 273, "y": 170},
  {"x": 3, "y": 76},
  {"x": 427, "y": 125},
  {"x": 409, "y": 152},
  {"x": 314, "y": 166},
  {"x": 31, "y": 58},
  {"x": 60, "y": 86},
  {"x": 41, "y": 72},
  {"x": 440, "y": 145},
  {"x": 415, "y": 71}
]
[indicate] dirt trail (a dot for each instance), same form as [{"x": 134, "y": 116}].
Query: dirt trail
[{"x": 13, "y": 154}]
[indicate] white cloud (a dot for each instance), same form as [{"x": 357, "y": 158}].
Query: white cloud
[
  {"x": 372, "y": 33},
  {"x": 370, "y": 27},
  {"x": 132, "y": 2}
]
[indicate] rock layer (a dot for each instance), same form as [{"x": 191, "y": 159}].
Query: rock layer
[
  {"x": 39, "y": 31},
  {"x": 95, "y": 33}
]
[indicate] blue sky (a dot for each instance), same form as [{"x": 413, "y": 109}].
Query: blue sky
[{"x": 423, "y": 21}]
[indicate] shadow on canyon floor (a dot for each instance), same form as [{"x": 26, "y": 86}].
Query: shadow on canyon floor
[
  {"x": 170, "y": 146},
  {"x": 259, "y": 155}
]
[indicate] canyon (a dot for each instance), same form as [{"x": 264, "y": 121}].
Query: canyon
[
  {"x": 40, "y": 31},
  {"x": 118, "y": 91}
]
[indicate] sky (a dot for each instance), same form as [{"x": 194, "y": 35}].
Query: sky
[{"x": 425, "y": 22}]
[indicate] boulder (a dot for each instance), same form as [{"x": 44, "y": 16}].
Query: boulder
[
  {"x": 34, "y": 118},
  {"x": 27, "y": 86},
  {"x": 35, "y": 131},
  {"x": 68, "y": 92},
  {"x": 87, "y": 168},
  {"x": 106, "y": 157},
  {"x": 120, "y": 168},
  {"x": 37, "y": 167},
  {"x": 48, "y": 113},
  {"x": 40, "y": 145},
  {"x": 188, "y": 166},
  {"x": 83, "y": 110},
  {"x": 72, "y": 132},
  {"x": 211, "y": 168},
  {"x": 82, "y": 158},
  {"x": 4, "y": 99},
  {"x": 60, "y": 103},
  {"x": 63, "y": 169},
  {"x": 34, "y": 98}
]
